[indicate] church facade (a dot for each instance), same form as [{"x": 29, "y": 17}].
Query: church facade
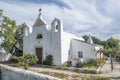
[{"x": 42, "y": 40}]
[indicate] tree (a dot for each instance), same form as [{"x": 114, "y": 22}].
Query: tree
[
  {"x": 11, "y": 34},
  {"x": 112, "y": 46},
  {"x": 110, "y": 51},
  {"x": 85, "y": 37},
  {"x": 109, "y": 43},
  {"x": 112, "y": 43},
  {"x": 100, "y": 60},
  {"x": 26, "y": 60},
  {"x": 95, "y": 40}
]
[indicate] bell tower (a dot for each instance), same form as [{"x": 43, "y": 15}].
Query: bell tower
[
  {"x": 56, "y": 25},
  {"x": 56, "y": 37}
]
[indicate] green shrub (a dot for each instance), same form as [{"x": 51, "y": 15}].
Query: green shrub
[
  {"x": 102, "y": 78},
  {"x": 95, "y": 63},
  {"x": 67, "y": 64},
  {"x": 76, "y": 70},
  {"x": 100, "y": 61},
  {"x": 79, "y": 64},
  {"x": 26, "y": 60},
  {"x": 90, "y": 63},
  {"x": 13, "y": 60},
  {"x": 89, "y": 72},
  {"x": 48, "y": 60}
]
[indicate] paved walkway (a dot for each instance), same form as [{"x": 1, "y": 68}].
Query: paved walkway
[{"x": 113, "y": 74}]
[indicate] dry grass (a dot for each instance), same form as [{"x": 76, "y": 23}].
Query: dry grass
[{"x": 67, "y": 75}]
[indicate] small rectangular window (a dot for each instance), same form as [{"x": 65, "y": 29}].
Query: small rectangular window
[
  {"x": 56, "y": 28},
  {"x": 39, "y": 36},
  {"x": 80, "y": 54}
]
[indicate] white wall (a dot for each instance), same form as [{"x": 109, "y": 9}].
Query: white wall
[
  {"x": 56, "y": 41},
  {"x": 66, "y": 45},
  {"x": 30, "y": 41},
  {"x": 87, "y": 49}
]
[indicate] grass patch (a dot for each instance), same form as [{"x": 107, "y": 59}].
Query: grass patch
[{"x": 89, "y": 72}]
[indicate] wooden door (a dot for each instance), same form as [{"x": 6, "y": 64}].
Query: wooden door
[{"x": 39, "y": 55}]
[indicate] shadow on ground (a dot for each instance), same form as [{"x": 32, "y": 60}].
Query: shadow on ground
[{"x": 115, "y": 78}]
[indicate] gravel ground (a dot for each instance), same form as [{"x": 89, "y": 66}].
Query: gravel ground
[{"x": 113, "y": 74}]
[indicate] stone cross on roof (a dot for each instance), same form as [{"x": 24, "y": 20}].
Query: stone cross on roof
[{"x": 40, "y": 12}]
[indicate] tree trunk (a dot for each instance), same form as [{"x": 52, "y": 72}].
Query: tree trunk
[{"x": 111, "y": 61}]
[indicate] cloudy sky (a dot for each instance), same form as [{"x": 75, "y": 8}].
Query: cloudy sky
[{"x": 100, "y": 18}]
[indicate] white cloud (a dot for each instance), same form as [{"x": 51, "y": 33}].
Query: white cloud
[
  {"x": 117, "y": 36},
  {"x": 83, "y": 16}
]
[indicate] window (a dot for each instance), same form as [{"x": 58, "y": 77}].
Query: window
[
  {"x": 80, "y": 54},
  {"x": 56, "y": 28},
  {"x": 39, "y": 36}
]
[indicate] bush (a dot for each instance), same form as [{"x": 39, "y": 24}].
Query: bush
[
  {"x": 26, "y": 60},
  {"x": 100, "y": 61},
  {"x": 89, "y": 72},
  {"x": 67, "y": 64},
  {"x": 79, "y": 64},
  {"x": 48, "y": 60},
  {"x": 76, "y": 70},
  {"x": 95, "y": 63},
  {"x": 101, "y": 78},
  {"x": 13, "y": 60},
  {"x": 90, "y": 63}
]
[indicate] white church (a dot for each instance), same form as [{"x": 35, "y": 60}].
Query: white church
[{"x": 42, "y": 40}]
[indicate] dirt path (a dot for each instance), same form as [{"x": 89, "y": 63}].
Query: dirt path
[{"x": 114, "y": 74}]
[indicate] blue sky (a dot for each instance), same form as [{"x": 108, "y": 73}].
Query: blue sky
[{"x": 100, "y": 18}]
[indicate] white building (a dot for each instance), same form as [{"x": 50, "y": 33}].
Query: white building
[{"x": 42, "y": 41}]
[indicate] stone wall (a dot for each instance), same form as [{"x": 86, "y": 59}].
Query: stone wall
[{"x": 11, "y": 73}]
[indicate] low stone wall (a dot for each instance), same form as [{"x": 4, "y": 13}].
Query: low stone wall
[{"x": 11, "y": 73}]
